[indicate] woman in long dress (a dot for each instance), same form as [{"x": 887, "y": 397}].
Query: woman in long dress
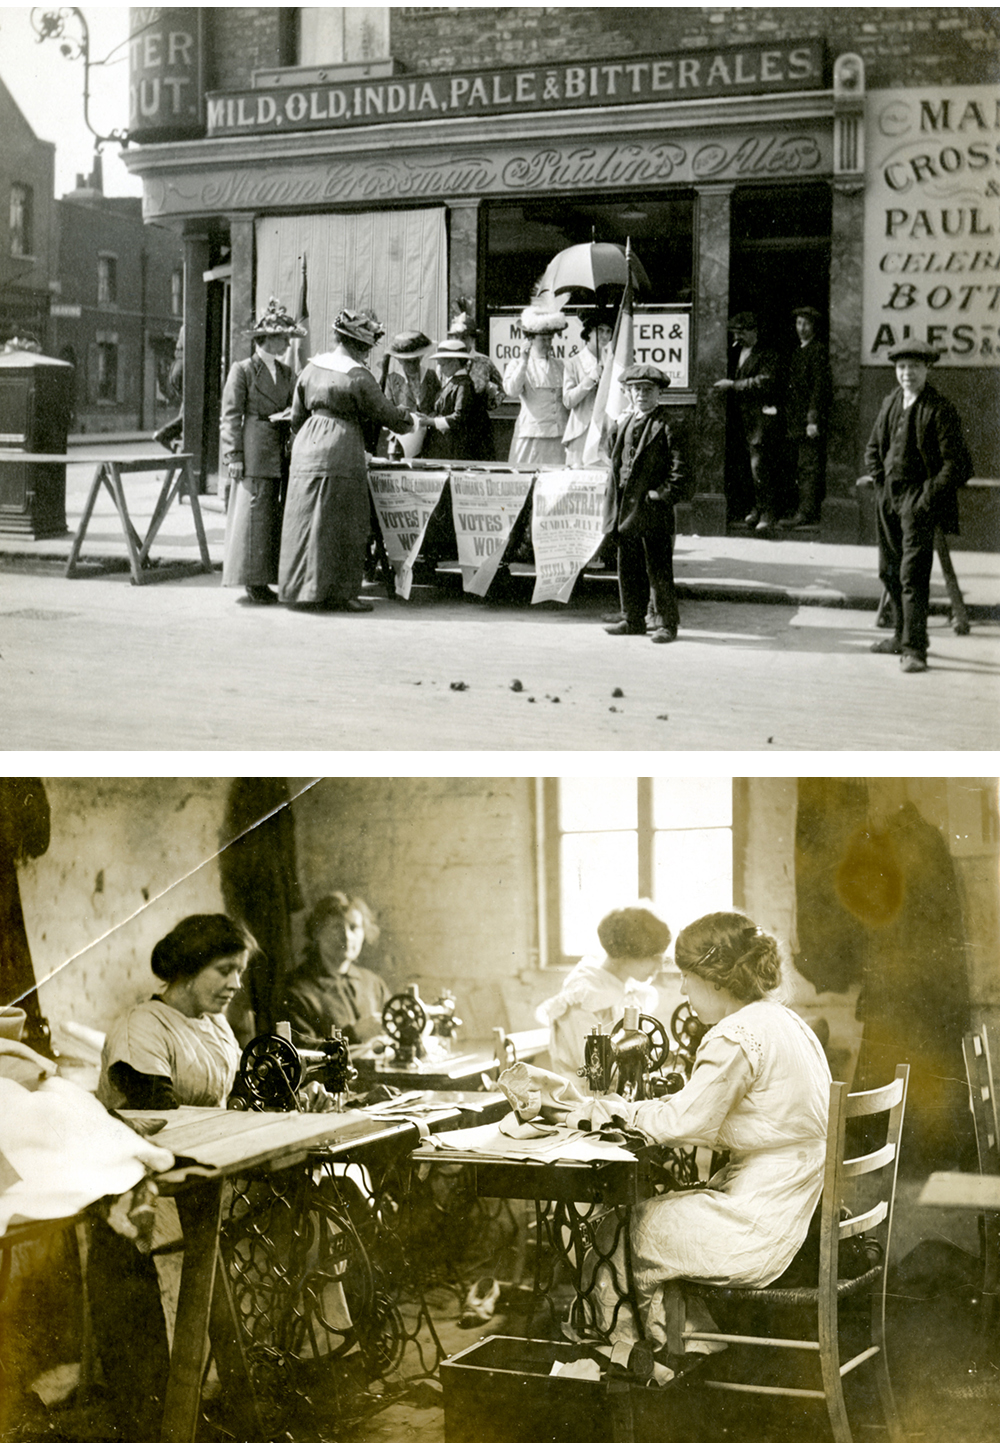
[
  {"x": 337, "y": 412},
  {"x": 581, "y": 378},
  {"x": 254, "y": 453},
  {"x": 535, "y": 378},
  {"x": 759, "y": 1090}
]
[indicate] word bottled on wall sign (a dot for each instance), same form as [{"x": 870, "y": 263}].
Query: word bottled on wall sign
[
  {"x": 746, "y": 70},
  {"x": 932, "y": 223}
]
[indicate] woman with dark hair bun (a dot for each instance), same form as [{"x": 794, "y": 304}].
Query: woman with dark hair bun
[
  {"x": 597, "y": 991},
  {"x": 759, "y": 1090},
  {"x": 178, "y": 1048}
]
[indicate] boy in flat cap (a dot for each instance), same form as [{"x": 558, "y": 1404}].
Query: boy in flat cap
[
  {"x": 917, "y": 458},
  {"x": 808, "y": 395},
  {"x": 650, "y": 479}
]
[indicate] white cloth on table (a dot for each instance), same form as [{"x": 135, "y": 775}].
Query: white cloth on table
[
  {"x": 590, "y": 997},
  {"x": 61, "y": 1151},
  {"x": 199, "y": 1055}
]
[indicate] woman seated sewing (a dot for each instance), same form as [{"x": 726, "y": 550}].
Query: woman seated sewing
[
  {"x": 759, "y": 1089},
  {"x": 177, "y": 1047},
  {"x": 329, "y": 989},
  {"x": 598, "y": 990}
]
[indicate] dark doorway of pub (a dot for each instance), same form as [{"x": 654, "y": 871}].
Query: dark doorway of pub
[{"x": 779, "y": 259}]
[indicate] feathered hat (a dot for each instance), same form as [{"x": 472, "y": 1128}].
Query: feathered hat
[
  {"x": 276, "y": 321},
  {"x": 536, "y": 322},
  {"x": 361, "y": 326}
]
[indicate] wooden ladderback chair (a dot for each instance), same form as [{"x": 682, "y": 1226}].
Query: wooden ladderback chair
[
  {"x": 871, "y": 1180},
  {"x": 982, "y": 1055}
]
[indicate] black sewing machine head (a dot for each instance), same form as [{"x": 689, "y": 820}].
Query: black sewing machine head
[
  {"x": 631, "y": 1059},
  {"x": 410, "y": 1022},
  {"x": 272, "y": 1071}
]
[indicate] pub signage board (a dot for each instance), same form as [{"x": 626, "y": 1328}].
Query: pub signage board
[{"x": 631, "y": 80}]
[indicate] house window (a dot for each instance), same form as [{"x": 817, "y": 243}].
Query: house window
[
  {"x": 21, "y": 238},
  {"x": 177, "y": 293},
  {"x": 610, "y": 840},
  {"x": 107, "y": 370},
  {"x": 343, "y": 35},
  {"x": 107, "y": 280}
]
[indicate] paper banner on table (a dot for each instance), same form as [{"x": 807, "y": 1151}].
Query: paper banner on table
[
  {"x": 567, "y": 527},
  {"x": 485, "y": 505},
  {"x": 404, "y": 501}
]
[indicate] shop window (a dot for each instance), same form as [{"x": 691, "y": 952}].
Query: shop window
[
  {"x": 106, "y": 379},
  {"x": 609, "y": 840},
  {"x": 21, "y": 238},
  {"x": 523, "y": 236},
  {"x": 341, "y": 35},
  {"x": 107, "y": 280},
  {"x": 177, "y": 293}
]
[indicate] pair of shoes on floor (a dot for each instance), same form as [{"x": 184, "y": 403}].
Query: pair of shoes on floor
[
  {"x": 791, "y": 523},
  {"x": 261, "y": 596},
  {"x": 911, "y": 662},
  {"x": 888, "y": 646},
  {"x": 766, "y": 523},
  {"x": 663, "y": 634},
  {"x": 752, "y": 518},
  {"x": 623, "y": 628},
  {"x": 612, "y": 616}
]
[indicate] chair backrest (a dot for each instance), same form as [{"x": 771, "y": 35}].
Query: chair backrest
[
  {"x": 871, "y": 1200},
  {"x": 982, "y": 1053}
]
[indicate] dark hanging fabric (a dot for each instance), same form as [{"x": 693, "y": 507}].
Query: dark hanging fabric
[
  {"x": 24, "y": 835},
  {"x": 881, "y": 906},
  {"x": 260, "y": 885}
]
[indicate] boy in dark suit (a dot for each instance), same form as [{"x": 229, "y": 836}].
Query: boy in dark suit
[{"x": 650, "y": 478}]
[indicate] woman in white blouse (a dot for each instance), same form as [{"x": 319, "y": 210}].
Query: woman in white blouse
[{"x": 535, "y": 378}]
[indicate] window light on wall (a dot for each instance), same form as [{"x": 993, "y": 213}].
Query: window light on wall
[{"x": 610, "y": 840}]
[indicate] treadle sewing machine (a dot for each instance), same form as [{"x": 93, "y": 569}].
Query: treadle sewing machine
[
  {"x": 272, "y": 1070},
  {"x": 636, "y": 1059}
]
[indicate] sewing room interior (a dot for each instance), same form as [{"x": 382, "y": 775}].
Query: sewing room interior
[{"x": 499, "y": 1110}]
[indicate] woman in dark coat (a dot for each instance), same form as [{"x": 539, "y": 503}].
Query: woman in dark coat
[
  {"x": 459, "y": 426},
  {"x": 337, "y": 412},
  {"x": 254, "y": 451}
]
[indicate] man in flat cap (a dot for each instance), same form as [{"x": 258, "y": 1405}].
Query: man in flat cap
[
  {"x": 650, "y": 478},
  {"x": 917, "y": 458},
  {"x": 756, "y": 386},
  {"x": 808, "y": 395}
]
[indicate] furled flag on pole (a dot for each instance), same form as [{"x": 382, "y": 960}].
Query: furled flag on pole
[
  {"x": 299, "y": 343},
  {"x": 611, "y": 399}
]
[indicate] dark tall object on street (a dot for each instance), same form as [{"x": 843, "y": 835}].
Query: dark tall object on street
[{"x": 35, "y": 403}]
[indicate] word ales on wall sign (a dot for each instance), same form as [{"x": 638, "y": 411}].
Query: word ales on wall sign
[{"x": 932, "y": 223}]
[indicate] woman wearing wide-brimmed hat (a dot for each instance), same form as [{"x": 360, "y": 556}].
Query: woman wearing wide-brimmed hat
[
  {"x": 254, "y": 451},
  {"x": 338, "y": 410},
  {"x": 536, "y": 379},
  {"x": 459, "y": 421}
]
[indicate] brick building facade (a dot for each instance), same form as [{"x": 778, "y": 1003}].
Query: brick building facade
[
  {"x": 728, "y": 144},
  {"x": 27, "y": 224}
]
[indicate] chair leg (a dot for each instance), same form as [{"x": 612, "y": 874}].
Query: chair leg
[
  {"x": 886, "y": 1395},
  {"x": 829, "y": 1362}
]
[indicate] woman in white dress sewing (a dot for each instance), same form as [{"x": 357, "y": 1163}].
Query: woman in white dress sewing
[{"x": 759, "y": 1090}]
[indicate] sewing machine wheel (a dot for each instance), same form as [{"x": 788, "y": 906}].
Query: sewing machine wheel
[
  {"x": 270, "y": 1071},
  {"x": 659, "y": 1042},
  {"x": 687, "y": 1029},
  {"x": 403, "y": 1018}
]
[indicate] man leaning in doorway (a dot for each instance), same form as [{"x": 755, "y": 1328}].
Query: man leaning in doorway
[
  {"x": 808, "y": 395},
  {"x": 917, "y": 458},
  {"x": 756, "y": 386}
]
